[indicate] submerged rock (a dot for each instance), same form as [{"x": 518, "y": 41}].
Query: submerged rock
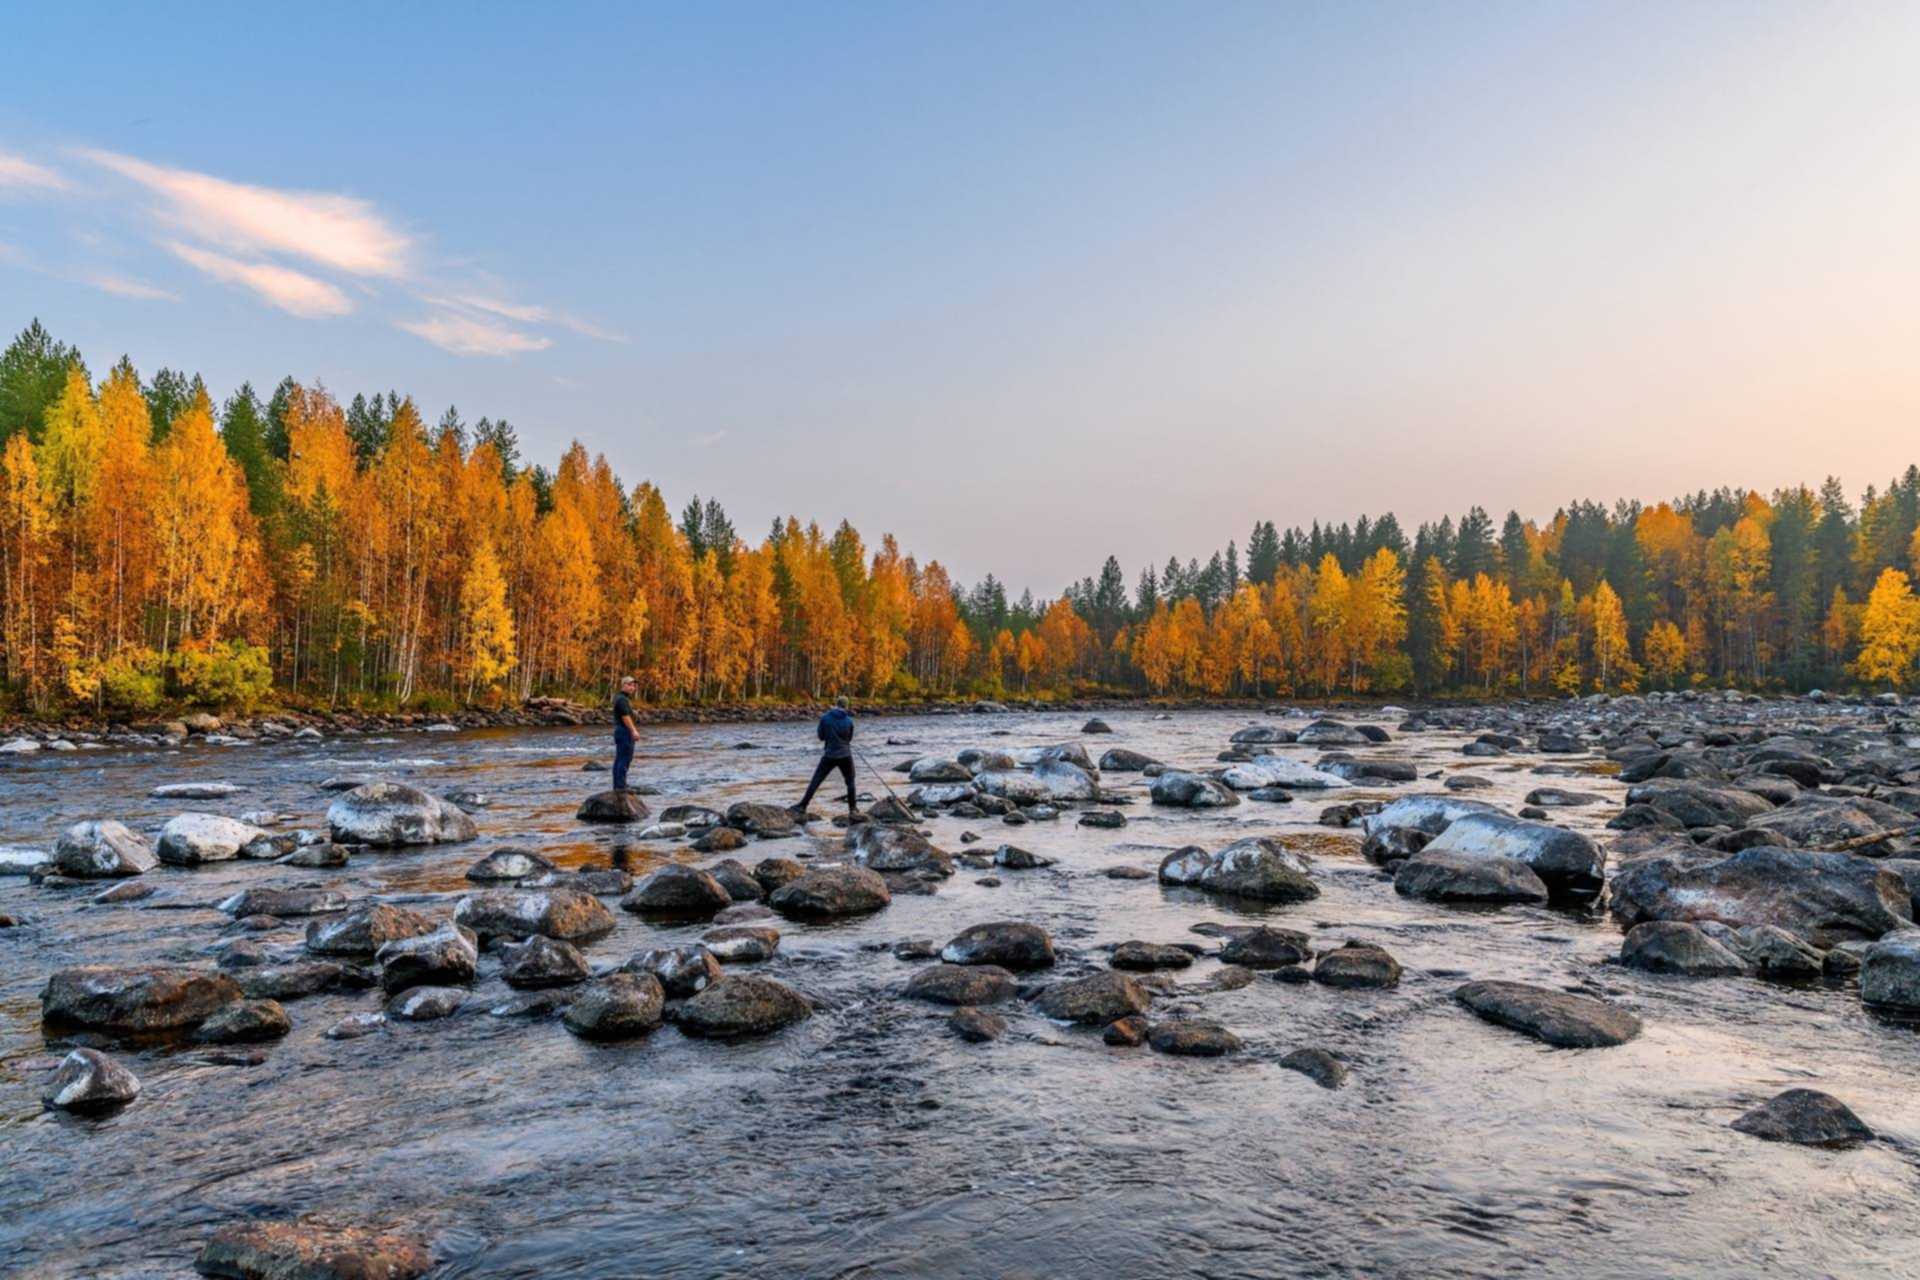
[
  {"x": 284, "y": 902},
  {"x": 311, "y": 1251},
  {"x": 88, "y": 1082},
  {"x": 1807, "y": 1117},
  {"x": 682, "y": 971},
  {"x": 1143, "y": 957},
  {"x": 1317, "y": 1065},
  {"x": 391, "y": 814},
  {"x": 976, "y": 1026},
  {"x": 245, "y": 1022},
  {"x": 1265, "y": 948},
  {"x": 1193, "y": 1039},
  {"x": 1562, "y": 1020},
  {"x": 1191, "y": 791}
]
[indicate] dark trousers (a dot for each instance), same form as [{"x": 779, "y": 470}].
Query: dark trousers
[
  {"x": 622, "y": 757},
  {"x": 820, "y": 771}
]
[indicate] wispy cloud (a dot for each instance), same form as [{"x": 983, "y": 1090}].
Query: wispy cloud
[
  {"x": 122, "y": 287},
  {"x": 341, "y": 232},
  {"x": 530, "y": 313},
  {"x": 466, "y": 336},
  {"x": 290, "y": 290},
  {"x": 17, "y": 174}
]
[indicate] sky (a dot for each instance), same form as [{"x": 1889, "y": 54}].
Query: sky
[{"x": 1024, "y": 285}]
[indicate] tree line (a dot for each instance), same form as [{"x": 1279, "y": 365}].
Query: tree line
[{"x": 157, "y": 547}]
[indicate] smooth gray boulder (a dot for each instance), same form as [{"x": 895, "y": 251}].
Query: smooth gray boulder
[
  {"x": 1555, "y": 1017},
  {"x": 743, "y": 1004},
  {"x": 1258, "y": 867},
  {"x": 88, "y": 1082},
  {"x": 1890, "y": 972},
  {"x": 1456, "y": 877},
  {"x": 191, "y": 839},
  {"x": 1566, "y": 861},
  {"x": 1179, "y": 790},
  {"x": 1678, "y": 947},
  {"x": 391, "y": 814},
  {"x": 1825, "y": 898},
  {"x": 1806, "y": 1117},
  {"x": 135, "y": 1000},
  {"x": 566, "y": 914},
  {"x": 101, "y": 849}
]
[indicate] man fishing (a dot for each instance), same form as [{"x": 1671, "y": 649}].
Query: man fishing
[
  {"x": 624, "y": 732},
  {"x": 836, "y": 730}
]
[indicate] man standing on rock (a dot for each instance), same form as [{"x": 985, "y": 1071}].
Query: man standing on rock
[
  {"x": 624, "y": 732},
  {"x": 836, "y": 730}
]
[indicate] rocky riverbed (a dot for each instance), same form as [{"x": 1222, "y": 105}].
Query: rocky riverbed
[{"x": 1605, "y": 988}]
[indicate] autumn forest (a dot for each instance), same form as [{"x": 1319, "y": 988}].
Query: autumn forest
[{"x": 159, "y": 547}]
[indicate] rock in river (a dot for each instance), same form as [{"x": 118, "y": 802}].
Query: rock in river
[
  {"x": 767, "y": 821},
  {"x": 509, "y": 863},
  {"x": 245, "y": 1022},
  {"x": 1009, "y": 944},
  {"x": 541, "y": 963},
  {"x": 1675, "y": 946},
  {"x": 1192, "y": 1039},
  {"x": 743, "y": 1004},
  {"x": 1357, "y": 964},
  {"x": 619, "y": 1006},
  {"x": 1826, "y": 898},
  {"x": 961, "y": 984},
  {"x": 1562, "y": 1020},
  {"x": 101, "y": 849},
  {"x": 1890, "y": 972},
  {"x": 612, "y": 806},
  {"x": 1265, "y": 948},
  {"x": 1258, "y": 867},
  {"x": 1566, "y": 861},
  {"x": 1093, "y": 1001},
  {"x": 827, "y": 893},
  {"x": 679, "y": 892},
  {"x": 447, "y": 956},
  {"x": 311, "y": 1251},
  {"x": 1191, "y": 791},
  {"x": 682, "y": 971},
  {"x": 976, "y": 1026},
  {"x": 135, "y": 1001},
  {"x": 1458, "y": 877},
  {"x": 88, "y": 1082},
  {"x": 1144, "y": 957},
  {"x": 1317, "y": 1065},
  {"x": 391, "y": 814},
  {"x": 1805, "y": 1116},
  {"x": 567, "y": 914},
  {"x": 365, "y": 929},
  {"x": 741, "y": 943},
  {"x": 284, "y": 902},
  {"x": 195, "y": 838}
]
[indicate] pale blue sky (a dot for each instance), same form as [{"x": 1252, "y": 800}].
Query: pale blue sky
[{"x": 1023, "y": 284}]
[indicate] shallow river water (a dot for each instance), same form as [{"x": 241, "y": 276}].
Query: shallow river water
[{"x": 869, "y": 1141}]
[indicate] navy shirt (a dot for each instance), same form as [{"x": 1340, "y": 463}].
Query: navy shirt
[
  {"x": 622, "y": 709},
  {"x": 836, "y": 730}
]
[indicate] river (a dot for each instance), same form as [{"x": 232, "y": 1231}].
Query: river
[{"x": 870, "y": 1141}]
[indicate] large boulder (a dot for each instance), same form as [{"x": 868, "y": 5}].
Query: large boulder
[
  {"x": 1458, "y": 877},
  {"x": 390, "y": 814},
  {"x": 1072, "y": 753},
  {"x": 509, "y": 863},
  {"x": 102, "y": 849},
  {"x": 1675, "y": 946},
  {"x": 1890, "y": 972},
  {"x": 1826, "y": 898},
  {"x": 566, "y": 914},
  {"x": 1813, "y": 821},
  {"x": 743, "y": 1004},
  {"x": 1008, "y": 944},
  {"x": 88, "y": 1082},
  {"x": 364, "y": 929},
  {"x": 677, "y": 891},
  {"x": 1121, "y": 760},
  {"x": 938, "y": 769},
  {"x": 1258, "y": 867},
  {"x": 311, "y": 1251},
  {"x": 1180, "y": 790},
  {"x": 741, "y": 943},
  {"x": 1093, "y": 1001},
  {"x": 881, "y": 846},
  {"x": 195, "y": 838},
  {"x": 1568, "y": 862},
  {"x": 300, "y": 901},
  {"x": 1404, "y": 827},
  {"x": 1277, "y": 771},
  {"x": 1699, "y": 804},
  {"x": 612, "y": 806},
  {"x": 541, "y": 962},
  {"x": 1562, "y": 1020},
  {"x": 135, "y": 1001},
  {"x": 827, "y": 893},
  {"x": 448, "y": 956},
  {"x": 1357, "y": 965}
]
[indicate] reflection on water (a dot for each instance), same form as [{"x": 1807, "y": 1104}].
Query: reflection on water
[{"x": 869, "y": 1142}]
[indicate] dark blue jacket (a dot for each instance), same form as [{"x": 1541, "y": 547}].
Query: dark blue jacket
[{"x": 836, "y": 730}]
